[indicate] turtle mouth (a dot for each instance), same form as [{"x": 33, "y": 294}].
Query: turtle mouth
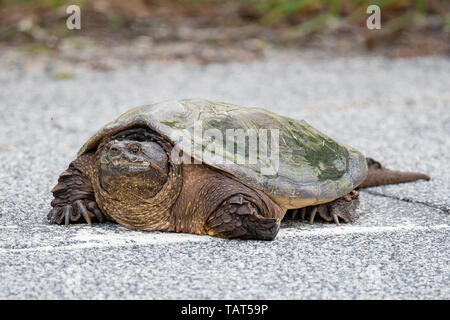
[
  {"x": 121, "y": 161},
  {"x": 122, "y": 164}
]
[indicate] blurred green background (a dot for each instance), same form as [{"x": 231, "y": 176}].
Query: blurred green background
[{"x": 412, "y": 24}]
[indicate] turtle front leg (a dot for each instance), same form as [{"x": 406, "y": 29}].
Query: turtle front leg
[
  {"x": 342, "y": 209},
  {"x": 74, "y": 196}
]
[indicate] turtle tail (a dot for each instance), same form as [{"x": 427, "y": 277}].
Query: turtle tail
[{"x": 379, "y": 176}]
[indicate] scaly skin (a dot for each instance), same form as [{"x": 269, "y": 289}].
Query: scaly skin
[
  {"x": 380, "y": 176},
  {"x": 344, "y": 208},
  {"x": 74, "y": 196},
  {"x": 130, "y": 179},
  {"x": 192, "y": 199}
]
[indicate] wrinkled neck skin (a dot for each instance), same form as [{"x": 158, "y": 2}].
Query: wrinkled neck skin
[{"x": 136, "y": 195}]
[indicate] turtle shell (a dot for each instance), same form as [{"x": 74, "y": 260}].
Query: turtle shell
[{"x": 296, "y": 165}]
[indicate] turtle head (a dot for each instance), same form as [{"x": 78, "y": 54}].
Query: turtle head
[{"x": 133, "y": 167}]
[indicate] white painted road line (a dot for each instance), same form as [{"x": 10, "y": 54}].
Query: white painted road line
[
  {"x": 88, "y": 239},
  {"x": 351, "y": 229}
]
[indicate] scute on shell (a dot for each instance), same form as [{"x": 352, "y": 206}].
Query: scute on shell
[{"x": 312, "y": 167}]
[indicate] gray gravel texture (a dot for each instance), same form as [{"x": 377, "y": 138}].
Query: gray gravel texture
[{"x": 396, "y": 111}]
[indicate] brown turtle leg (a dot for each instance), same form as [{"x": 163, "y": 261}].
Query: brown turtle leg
[
  {"x": 238, "y": 217},
  {"x": 74, "y": 197},
  {"x": 340, "y": 210}
]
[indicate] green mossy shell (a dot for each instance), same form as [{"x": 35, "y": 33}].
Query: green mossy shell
[{"x": 311, "y": 165}]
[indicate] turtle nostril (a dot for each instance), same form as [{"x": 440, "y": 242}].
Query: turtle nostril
[{"x": 114, "y": 150}]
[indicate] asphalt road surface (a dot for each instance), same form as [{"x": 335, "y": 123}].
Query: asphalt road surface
[{"x": 396, "y": 111}]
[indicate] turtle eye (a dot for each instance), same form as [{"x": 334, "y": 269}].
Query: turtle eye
[{"x": 135, "y": 148}]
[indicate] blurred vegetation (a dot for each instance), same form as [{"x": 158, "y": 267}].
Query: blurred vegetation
[
  {"x": 315, "y": 14},
  {"x": 41, "y": 20},
  {"x": 267, "y": 11}
]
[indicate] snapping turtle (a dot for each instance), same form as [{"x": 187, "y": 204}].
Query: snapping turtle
[{"x": 172, "y": 166}]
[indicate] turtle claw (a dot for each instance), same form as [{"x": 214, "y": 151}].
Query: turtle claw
[
  {"x": 84, "y": 212},
  {"x": 92, "y": 207},
  {"x": 312, "y": 214},
  {"x": 51, "y": 215},
  {"x": 303, "y": 213},
  {"x": 67, "y": 211},
  {"x": 294, "y": 213},
  {"x": 79, "y": 210},
  {"x": 337, "y": 211},
  {"x": 335, "y": 218},
  {"x": 343, "y": 208},
  {"x": 74, "y": 199}
]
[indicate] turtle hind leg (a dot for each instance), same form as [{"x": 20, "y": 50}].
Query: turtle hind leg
[
  {"x": 340, "y": 210},
  {"x": 239, "y": 217},
  {"x": 379, "y": 176}
]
